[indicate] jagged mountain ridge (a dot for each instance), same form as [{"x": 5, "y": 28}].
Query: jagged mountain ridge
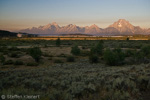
[
  {"x": 121, "y": 27},
  {"x": 124, "y": 27}
]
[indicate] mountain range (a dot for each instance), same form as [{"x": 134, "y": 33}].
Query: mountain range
[{"x": 121, "y": 27}]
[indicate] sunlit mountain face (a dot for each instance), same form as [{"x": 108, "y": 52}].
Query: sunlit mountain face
[{"x": 120, "y": 27}]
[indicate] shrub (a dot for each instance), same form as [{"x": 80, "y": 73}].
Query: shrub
[
  {"x": 139, "y": 57},
  {"x": 136, "y": 57},
  {"x": 58, "y": 42},
  {"x": 70, "y": 59},
  {"x": 55, "y": 95},
  {"x": 91, "y": 87},
  {"x": 127, "y": 38},
  {"x": 18, "y": 62},
  {"x": 58, "y": 61},
  {"x": 93, "y": 58},
  {"x": 47, "y": 55},
  {"x": 93, "y": 50},
  {"x": 119, "y": 55},
  {"x": 83, "y": 47},
  {"x": 50, "y": 58},
  {"x": 75, "y": 50},
  {"x": 146, "y": 51},
  {"x": 98, "y": 49},
  {"x": 142, "y": 56},
  {"x": 61, "y": 55},
  {"x": 2, "y": 59},
  {"x": 4, "y": 50},
  {"x": 35, "y": 53},
  {"x": 84, "y": 53},
  {"x": 35, "y": 84},
  {"x": 45, "y": 46},
  {"x": 32, "y": 64},
  {"x": 8, "y": 62},
  {"x": 130, "y": 53},
  {"x": 13, "y": 48},
  {"x": 142, "y": 82},
  {"x": 130, "y": 61},
  {"x": 115, "y": 57},
  {"x": 14, "y": 55}
]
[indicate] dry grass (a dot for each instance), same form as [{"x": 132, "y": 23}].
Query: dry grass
[{"x": 56, "y": 51}]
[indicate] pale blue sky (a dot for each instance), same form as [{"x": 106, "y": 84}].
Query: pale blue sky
[{"x": 19, "y": 14}]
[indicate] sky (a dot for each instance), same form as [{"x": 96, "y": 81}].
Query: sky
[{"x": 22, "y": 14}]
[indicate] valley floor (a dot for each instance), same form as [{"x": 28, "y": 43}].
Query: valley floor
[{"x": 56, "y": 78}]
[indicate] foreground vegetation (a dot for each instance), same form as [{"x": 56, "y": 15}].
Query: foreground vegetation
[{"x": 75, "y": 70}]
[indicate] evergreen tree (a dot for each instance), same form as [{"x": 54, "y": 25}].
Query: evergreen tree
[
  {"x": 2, "y": 59},
  {"x": 58, "y": 42},
  {"x": 75, "y": 50},
  {"x": 35, "y": 53}
]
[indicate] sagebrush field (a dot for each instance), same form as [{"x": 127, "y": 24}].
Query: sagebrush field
[{"x": 76, "y": 69}]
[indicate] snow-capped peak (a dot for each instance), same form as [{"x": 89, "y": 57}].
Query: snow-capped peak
[
  {"x": 119, "y": 25},
  {"x": 55, "y": 24}
]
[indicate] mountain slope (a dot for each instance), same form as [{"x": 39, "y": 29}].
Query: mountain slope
[
  {"x": 123, "y": 26},
  {"x": 93, "y": 29}
]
